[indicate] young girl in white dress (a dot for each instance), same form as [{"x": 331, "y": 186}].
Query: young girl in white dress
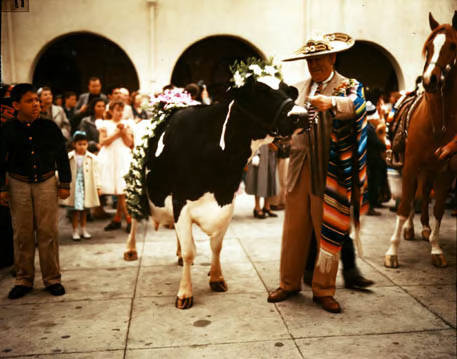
[
  {"x": 116, "y": 141},
  {"x": 85, "y": 185}
]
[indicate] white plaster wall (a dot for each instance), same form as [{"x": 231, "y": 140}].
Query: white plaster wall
[
  {"x": 271, "y": 26},
  {"x": 124, "y": 22},
  {"x": 399, "y": 26},
  {"x": 274, "y": 27}
]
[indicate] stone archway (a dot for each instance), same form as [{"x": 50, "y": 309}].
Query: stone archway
[
  {"x": 209, "y": 60},
  {"x": 372, "y": 65},
  {"x": 69, "y": 61}
]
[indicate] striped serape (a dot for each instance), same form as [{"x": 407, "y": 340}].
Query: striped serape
[{"x": 347, "y": 166}]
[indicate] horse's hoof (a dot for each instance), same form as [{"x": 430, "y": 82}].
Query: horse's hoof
[
  {"x": 409, "y": 234},
  {"x": 130, "y": 256},
  {"x": 391, "y": 261},
  {"x": 426, "y": 234},
  {"x": 184, "y": 303},
  {"x": 438, "y": 260},
  {"x": 219, "y": 286},
  {"x": 180, "y": 262}
]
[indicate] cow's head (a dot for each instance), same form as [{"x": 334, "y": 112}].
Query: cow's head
[{"x": 266, "y": 101}]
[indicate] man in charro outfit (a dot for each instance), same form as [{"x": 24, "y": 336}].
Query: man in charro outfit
[{"x": 326, "y": 175}]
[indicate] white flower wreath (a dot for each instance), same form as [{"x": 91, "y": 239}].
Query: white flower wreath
[{"x": 253, "y": 67}]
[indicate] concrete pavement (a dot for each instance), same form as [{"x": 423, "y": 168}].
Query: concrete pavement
[{"x": 117, "y": 309}]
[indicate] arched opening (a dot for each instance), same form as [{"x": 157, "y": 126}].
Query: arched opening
[
  {"x": 208, "y": 60},
  {"x": 69, "y": 61},
  {"x": 372, "y": 65}
]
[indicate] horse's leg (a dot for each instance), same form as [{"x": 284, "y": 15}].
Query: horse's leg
[
  {"x": 408, "y": 190},
  {"x": 131, "y": 254},
  {"x": 408, "y": 228},
  {"x": 442, "y": 184},
  {"x": 425, "y": 219},
  {"x": 216, "y": 280},
  {"x": 183, "y": 228}
]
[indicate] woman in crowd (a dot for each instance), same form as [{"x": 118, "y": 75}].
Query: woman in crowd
[
  {"x": 261, "y": 180},
  {"x": 96, "y": 110}
]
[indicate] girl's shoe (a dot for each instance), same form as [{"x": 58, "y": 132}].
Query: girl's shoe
[
  {"x": 259, "y": 214},
  {"x": 85, "y": 234},
  {"x": 76, "y": 236},
  {"x": 269, "y": 212}
]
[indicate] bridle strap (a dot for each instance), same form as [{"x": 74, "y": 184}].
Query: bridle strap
[{"x": 270, "y": 129}]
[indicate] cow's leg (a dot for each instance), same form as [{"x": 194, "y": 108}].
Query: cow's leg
[
  {"x": 178, "y": 252},
  {"x": 408, "y": 228},
  {"x": 183, "y": 228},
  {"x": 442, "y": 185},
  {"x": 216, "y": 280},
  {"x": 131, "y": 254}
]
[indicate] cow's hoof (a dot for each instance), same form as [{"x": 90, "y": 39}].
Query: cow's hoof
[
  {"x": 180, "y": 262},
  {"x": 184, "y": 303},
  {"x": 426, "y": 234},
  {"x": 391, "y": 261},
  {"x": 438, "y": 260},
  {"x": 130, "y": 255},
  {"x": 219, "y": 286},
  {"x": 409, "y": 234}
]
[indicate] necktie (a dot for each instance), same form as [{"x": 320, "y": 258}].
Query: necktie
[{"x": 312, "y": 111}]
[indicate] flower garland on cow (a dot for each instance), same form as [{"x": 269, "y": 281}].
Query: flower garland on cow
[
  {"x": 254, "y": 67},
  {"x": 160, "y": 108}
]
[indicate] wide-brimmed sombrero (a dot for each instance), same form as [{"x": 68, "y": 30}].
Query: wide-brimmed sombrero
[{"x": 322, "y": 45}]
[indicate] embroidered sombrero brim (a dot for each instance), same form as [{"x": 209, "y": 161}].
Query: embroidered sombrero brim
[{"x": 327, "y": 44}]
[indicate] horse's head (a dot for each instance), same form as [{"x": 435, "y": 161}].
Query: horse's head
[{"x": 440, "y": 51}]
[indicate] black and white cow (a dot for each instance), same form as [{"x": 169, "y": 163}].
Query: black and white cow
[{"x": 195, "y": 164}]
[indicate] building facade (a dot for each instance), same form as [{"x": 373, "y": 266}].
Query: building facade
[{"x": 149, "y": 41}]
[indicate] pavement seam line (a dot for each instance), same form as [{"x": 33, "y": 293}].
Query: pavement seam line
[
  {"x": 140, "y": 260},
  {"x": 266, "y": 289},
  {"x": 403, "y": 288}
]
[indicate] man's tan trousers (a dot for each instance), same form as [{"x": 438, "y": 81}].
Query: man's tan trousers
[{"x": 303, "y": 214}]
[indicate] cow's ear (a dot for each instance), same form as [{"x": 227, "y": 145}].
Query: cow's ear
[
  {"x": 433, "y": 23},
  {"x": 454, "y": 20},
  {"x": 292, "y": 92}
]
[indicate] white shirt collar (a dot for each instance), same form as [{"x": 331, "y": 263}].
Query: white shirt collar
[{"x": 324, "y": 84}]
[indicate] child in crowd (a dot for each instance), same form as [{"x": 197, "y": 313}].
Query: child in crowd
[
  {"x": 85, "y": 187},
  {"x": 116, "y": 141}
]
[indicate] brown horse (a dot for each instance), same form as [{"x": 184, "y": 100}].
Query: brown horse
[{"x": 433, "y": 125}]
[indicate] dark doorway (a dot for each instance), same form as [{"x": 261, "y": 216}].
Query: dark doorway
[
  {"x": 68, "y": 63},
  {"x": 209, "y": 60},
  {"x": 370, "y": 65}
]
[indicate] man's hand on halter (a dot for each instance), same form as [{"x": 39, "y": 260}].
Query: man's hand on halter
[{"x": 321, "y": 102}]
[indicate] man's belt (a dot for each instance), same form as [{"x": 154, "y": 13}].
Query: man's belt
[{"x": 32, "y": 179}]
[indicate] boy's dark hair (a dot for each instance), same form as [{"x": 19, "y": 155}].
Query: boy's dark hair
[
  {"x": 79, "y": 136},
  {"x": 20, "y": 90}
]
